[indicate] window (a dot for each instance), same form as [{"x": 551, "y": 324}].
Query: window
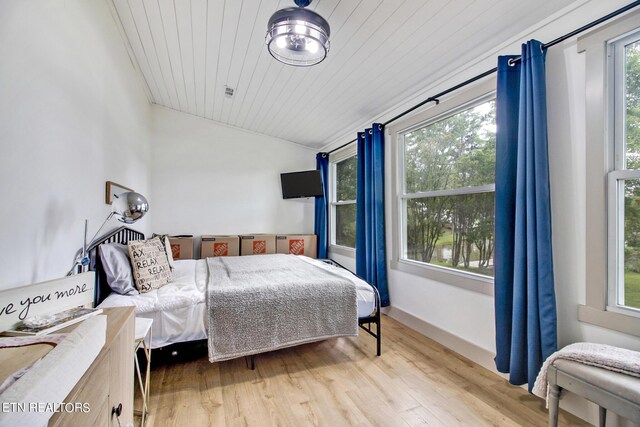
[
  {"x": 612, "y": 235},
  {"x": 443, "y": 162},
  {"x": 343, "y": 201},
  {"x": 624, "y": 179},
  {"x": 448, "y": 197}
]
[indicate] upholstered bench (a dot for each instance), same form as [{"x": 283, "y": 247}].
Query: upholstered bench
[{"x": 610, "y": 390}]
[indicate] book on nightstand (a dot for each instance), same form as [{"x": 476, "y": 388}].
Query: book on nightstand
[{"x": 42, "y": 325}]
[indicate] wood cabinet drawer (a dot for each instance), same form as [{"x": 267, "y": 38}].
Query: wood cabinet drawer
[
  {"x": 93, "y": 391},
  {"x": 109, "y": 379}
]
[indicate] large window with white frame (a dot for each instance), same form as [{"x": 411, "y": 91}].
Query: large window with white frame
[
  {"x": 343, "y": 171},
  {"x": 624, "y": 178},
  {"x": 446, "y": 199},
  {"x": 612, "y": 141}
]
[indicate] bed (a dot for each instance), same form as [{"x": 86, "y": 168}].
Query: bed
[{"x": 179, "y": 309}]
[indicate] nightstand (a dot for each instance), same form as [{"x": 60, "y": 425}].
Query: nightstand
[{"x": 143, "y": 338}]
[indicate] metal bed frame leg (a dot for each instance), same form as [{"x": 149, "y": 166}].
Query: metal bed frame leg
[
  {"x": 378, "y": 331},
  {"x": 251, "y": 358},
  {"x": 375, "y": 320}
]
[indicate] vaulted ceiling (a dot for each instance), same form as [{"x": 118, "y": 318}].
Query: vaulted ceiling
[{"x": 382, "y": 52}]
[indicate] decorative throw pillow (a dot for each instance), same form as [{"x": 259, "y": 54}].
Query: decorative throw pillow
[
  {"x": 149, "y": 264},
  {"x": 164, "y": 238},
  {"x": 117, "y": 268}
]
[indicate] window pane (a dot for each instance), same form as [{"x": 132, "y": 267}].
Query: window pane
[
  {"x": 632, "y": 100},
  {"x": 452, "y": 231},
  {"x": 346, "y": 172},
  {"x": 455, "y": 152},
  {"x": 630, "y": 294},
  {"x": 346, "y": 225}
]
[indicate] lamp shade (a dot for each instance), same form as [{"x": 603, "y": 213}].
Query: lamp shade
[
  {"x": 129, "y": 207},
  {"x": 298, "y": 36}
]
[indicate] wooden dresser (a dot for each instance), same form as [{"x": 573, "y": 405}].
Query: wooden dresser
[{"x": 109, "y": 380}]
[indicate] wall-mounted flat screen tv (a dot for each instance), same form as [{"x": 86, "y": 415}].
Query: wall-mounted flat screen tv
[{"x": 301, "y": 184}]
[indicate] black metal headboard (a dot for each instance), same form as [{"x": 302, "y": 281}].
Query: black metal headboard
[{"x": 120, "y": 235}]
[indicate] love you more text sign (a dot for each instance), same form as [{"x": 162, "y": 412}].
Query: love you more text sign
[{"x": 45, "y": 298}]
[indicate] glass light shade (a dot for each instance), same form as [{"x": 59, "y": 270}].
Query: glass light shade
[
  {"x": 297, "y": 36},
  {"x": 129, "y": 207}
]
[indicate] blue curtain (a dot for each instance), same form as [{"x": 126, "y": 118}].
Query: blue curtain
[
  {"x": 525, "y": 304},
  {"x": 371, "y": 260},
  {"x": 321, "y": 228}
]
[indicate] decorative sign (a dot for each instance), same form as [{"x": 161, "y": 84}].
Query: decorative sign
[
  {"x": 45, "y": 298},
  {"x": 114, "y": 189}
]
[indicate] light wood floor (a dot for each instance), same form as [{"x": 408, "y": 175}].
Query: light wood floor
[{"x": 340, "y": 382}]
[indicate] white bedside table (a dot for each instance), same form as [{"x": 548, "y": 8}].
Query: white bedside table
[{"x": 143, "y": 330}]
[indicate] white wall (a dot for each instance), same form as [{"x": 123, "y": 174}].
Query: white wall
[
  {"x": 72, "y": 116},
  {"x": 469, "y": 316},
  {"x": 210, "y": 178}
]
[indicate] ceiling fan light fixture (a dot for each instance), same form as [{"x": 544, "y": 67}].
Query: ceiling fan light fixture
[{"x": 297, "y": 36}]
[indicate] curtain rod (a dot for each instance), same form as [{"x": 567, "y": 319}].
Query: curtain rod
[{"x": 435, "y": 98}]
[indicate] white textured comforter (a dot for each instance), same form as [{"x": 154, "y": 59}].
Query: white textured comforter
[{"x": 261, "y": 303}]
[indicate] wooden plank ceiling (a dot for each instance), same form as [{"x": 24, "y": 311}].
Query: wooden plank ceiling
[{"x": 382, "y": 52}]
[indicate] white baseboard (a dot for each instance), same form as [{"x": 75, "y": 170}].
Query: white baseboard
[{"x": 461, "y": 346}]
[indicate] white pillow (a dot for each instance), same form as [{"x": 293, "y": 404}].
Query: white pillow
[
  {"x": 164, "y": 238},
  {"x": 167, "y": 249},
  {"x": 117, "y": 268}
]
